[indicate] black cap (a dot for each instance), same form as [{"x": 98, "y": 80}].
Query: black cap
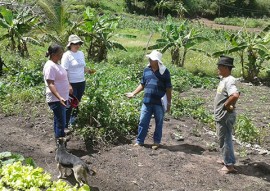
[{"x": 226, "y": 61}]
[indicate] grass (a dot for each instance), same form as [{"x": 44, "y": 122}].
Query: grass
[
  {"x": 141, "y": 40},
  {"x": 116, "y": 6},
  {"x": 241, "y": 21}
]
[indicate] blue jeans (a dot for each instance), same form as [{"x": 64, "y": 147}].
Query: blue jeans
[
  {"x": 146, "y": 113},
  {"x": 78, "y": 91},
  {"x": 224, "y": 132},
  {"x": 59, "y": 123}
]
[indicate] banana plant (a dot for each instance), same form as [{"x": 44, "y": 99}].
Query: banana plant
[
  {"x": 176, "y": 38},
  {"x": 160, "y": 6},
  {"x": 99, "y": 30},
  {"x": 18, "y": 26},
  {"x": 252, "y": 49},
  {"x": 57, "y": 20}
]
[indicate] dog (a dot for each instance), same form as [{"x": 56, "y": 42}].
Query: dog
[{"x": 67, "y": 160}]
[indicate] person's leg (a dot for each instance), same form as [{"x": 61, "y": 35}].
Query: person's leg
[
  {"x": 145, "y": 117},
  {"x": 80, "y": 88},
  {"x": 68, "y": 116},
  {"x": 59, "y": 112},
  {"x": 227, "y": 149},
  {"x": 78, "y": 91},
  {"x": 159, "y": 116}
]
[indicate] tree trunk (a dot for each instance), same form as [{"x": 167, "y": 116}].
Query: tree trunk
[
  {"x": 183, "y": 58},
  {"x": 1, "y": 66},
  {"x": 242, "y": 64}
]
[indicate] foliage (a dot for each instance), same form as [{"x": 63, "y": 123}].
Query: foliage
[
  {"x": 205, "y": 8},
  {"x": 150, "y": 24},
  {"x": 254, "y": 46},
  {"x": 18, "y": 26},
  {"x": 99, "y": 30},
  {"x": 160, "y": 6},
  {"x": 192, "y": 107},
  {"x": 175, "y": 37},
  {"x": 106, "y": 115},
  {"x": 9, "y": 158},
  {"x": 16, "y": 176},
  {"x": 241, "y": 21},
  {"x": 183, "y": 80},
  {"x": 57, "y": 20},
  {"x": 245, "y": 130}
]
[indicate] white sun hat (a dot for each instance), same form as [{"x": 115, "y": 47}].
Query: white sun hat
[
  {"x": 155, "y": 55},
  {"x": 74, "y": 39}
]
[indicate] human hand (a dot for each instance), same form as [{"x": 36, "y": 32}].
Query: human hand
[
  {"x": 229, "y": 108},
  {"x": 168, "y": 108},
  {"x": 92, "y": 71},
  {"x": 130, "y": 95},
  {"x": 70, "y": 90},
  {"x": 63, "y": 102}
]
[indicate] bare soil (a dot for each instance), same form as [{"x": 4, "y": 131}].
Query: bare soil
[{"x": 187, "y": 164}]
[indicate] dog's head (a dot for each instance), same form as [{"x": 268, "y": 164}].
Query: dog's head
[{"x": 62, "y": 141}]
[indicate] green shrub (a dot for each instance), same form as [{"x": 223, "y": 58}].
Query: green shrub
[
  {"x": 245, "y": 130},
  {"x": 106, "y": 114},
  {"x": 192, "y": 107}
]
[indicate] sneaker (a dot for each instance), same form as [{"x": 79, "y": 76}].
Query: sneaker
[
  {"x": 138, "y": 144},
  {"x": 155, "y": 146}
]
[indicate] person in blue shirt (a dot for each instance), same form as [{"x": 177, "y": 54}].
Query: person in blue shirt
[{"x": 156, "y": 83}]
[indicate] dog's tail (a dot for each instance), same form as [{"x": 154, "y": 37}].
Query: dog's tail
[
  {"x": 92, "y": 172},
  {"x": 89, "y": 171}
]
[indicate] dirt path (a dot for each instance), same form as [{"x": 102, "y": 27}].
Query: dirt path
[{"x": 180, "y": 165}]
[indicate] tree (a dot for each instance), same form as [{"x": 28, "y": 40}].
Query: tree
[
  {"x": 176, "y": 38},
  {"x": 18, "y": 26},
  {"x": 251, "y": 48},
  {"x": 58, "y": 24},
  {"x": 160, "y": 6},
  {"x": 180, "y": 9},
  {"x": 98, "y": 30}
]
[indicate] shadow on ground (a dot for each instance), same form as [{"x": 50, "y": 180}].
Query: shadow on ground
[{"x": 256, "y": 169}]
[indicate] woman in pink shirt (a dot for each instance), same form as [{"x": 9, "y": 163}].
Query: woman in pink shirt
[{"x": 57, "y": 88}]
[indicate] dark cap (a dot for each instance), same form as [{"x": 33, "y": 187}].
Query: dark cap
[{"x": 226, "y": 61}]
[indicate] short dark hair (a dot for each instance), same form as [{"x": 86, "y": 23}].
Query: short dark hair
[{"x": 53, "y": 49}]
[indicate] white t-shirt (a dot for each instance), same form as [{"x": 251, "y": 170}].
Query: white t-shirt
[
  {"x": 74, "y": 63},
  {"x": 58, "y": 74}
]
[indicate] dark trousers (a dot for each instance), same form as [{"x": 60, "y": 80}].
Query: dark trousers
[
  {"x": 59, "y": 123},
  {"x": 78, "y": 91}
]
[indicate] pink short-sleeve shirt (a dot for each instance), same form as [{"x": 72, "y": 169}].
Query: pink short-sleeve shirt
[{"x": 58, "y": 74}]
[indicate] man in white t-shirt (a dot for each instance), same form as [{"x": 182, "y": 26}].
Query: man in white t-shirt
[{"x": 224, "y": 112}]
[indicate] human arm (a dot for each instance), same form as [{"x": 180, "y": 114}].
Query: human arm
[
  {"x": 70, "y": 89},
  {"x": 135, "y": 92},
  {"x": 229, "y": 105},
  {"x": 89, "y": 71},
  {"x": 53, "y": 89},
  {"x": 233, "y": 94},
  {"x": 169, "y": 98}
]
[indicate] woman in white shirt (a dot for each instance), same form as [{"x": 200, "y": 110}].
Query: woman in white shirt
[{"x": 74, "y": 63}]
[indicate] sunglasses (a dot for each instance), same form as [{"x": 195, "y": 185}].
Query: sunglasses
[{"x": 78, "y": 43}]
